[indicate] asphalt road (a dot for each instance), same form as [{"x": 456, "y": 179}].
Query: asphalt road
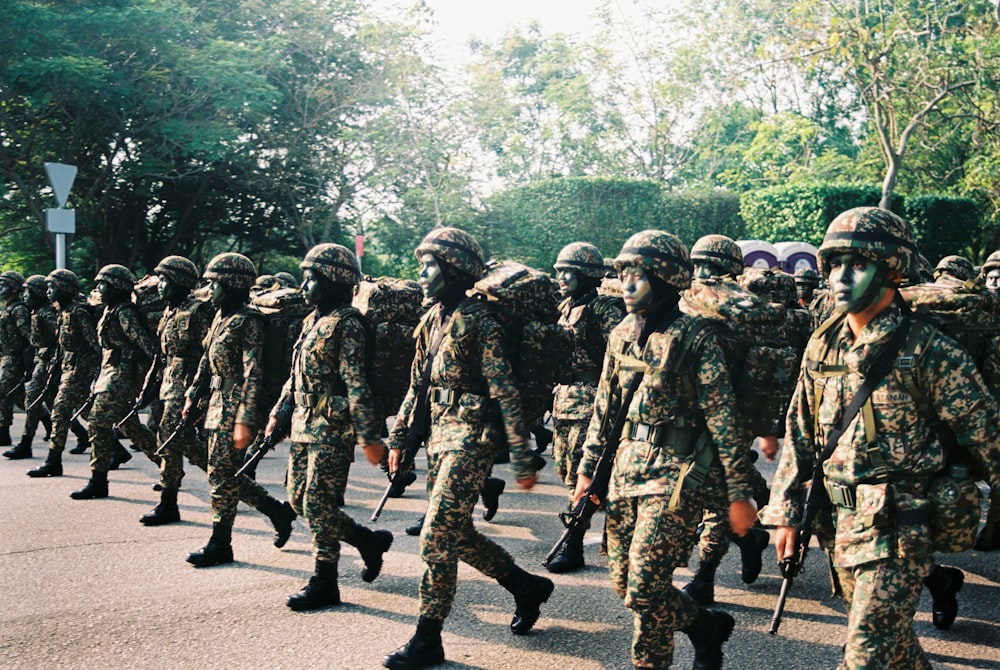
[{"x": 84, "y": 585}]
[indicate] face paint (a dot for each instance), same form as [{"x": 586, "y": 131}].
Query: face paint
[
  {"x": 706, "y": 270},
  {"x": 165, "y": 288},
  {"x": 568, "y": 282},
  {"x": 856, "y": 283},
  {"x": 52, "y": 292},
  {"x": 637, "y": 292},
  {"x": 993, "y": 280},
  {"x": 218, "y": 293},
  {"x": 102, "y": 289},
  {"x": 431, "y": 278},
  {"x": 311, "y": 287}
]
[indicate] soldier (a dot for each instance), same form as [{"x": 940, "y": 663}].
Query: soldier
[
  {"x": 806, "y": 283},
  {"x": 79, "y": 359},
  {"x": 589, "y": 319},
  {"x": 127, "y": 351},
  {"x": 329, "y": 404},
  {"x": 44, "y": 325},
  {"x": 15, "y": 348},
  {"x": 461, "y": 339},
  {"x": 991, "y": 272},
  {"x": 954, "y": 270},
  {"x": 182, "y": 330},
  {"x": 881, "y": 466},
  {"x": 679, "y": 401},
  {"x": 229, "y": 375}
]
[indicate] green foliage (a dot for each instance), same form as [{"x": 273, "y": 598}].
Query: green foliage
[
  {"x": 946, "y": 225},
  {"x": 801, "y": 212},
  {"x": 693, "y": 214}
]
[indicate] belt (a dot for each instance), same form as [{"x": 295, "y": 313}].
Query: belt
[
  {"x": 309, "y": 400},
  {"x": 659, "y": 435},
  {"x": 443, "y": 396},
  {"x": 840, "y": 495},
  {"x": 220, "y": 383}
]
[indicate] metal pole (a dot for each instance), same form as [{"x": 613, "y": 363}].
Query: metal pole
[{"x": 60, "y": 251}]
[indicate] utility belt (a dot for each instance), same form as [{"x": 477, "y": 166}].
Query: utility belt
[
  {"x": 313, "y": 400},
  {"x": 449, "y": 397},
  {"x": 660, "y": 434},
  {"x": 845, "y": 496},
  {"x": 224, "y": 384}
]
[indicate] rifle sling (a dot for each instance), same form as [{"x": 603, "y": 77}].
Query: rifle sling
[{"x": 420, "y": 397}]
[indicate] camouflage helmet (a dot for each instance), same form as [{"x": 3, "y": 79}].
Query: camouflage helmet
[
  {"x": 232, "y": 270},
  {"x": 179, "y": 270},
  {"x": 117, "y": 277},
  {"x": 582, "y": 258},
  {"x": 64, "y": 280},
  {"x": 992, "y": 262},
  {"x": 720, "y": 250},
  {"x": 807, "y": 276},
  {"x": 335, "y": 262},
  {"x": 35, "y": 284},
  {"x": 956, "y": 266},
  {"x": 874, "y": 233},
  {"x": 286, "y": 279},
  {"x": 772, "y": 285},
  {"x": 659, "y": 253},
  {"x": 14, "y": 280},
  {"x": 454, "y": 247}
]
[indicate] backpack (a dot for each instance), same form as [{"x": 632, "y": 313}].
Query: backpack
[
  {"x": 392, "y": 307},
  {"x": 283, "y": 310},
  {"x": 146, "y": 296},
  {"x": 525, "y": 302},
  {"x": 762, "y": 363}
]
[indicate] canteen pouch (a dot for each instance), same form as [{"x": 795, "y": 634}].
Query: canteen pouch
[{"x": 955, "y": 507}]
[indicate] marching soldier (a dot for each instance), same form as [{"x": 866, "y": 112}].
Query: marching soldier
[
  {"x": 127, "y": 351},
  {"x": 681, "y": 407},
  {"x": 879, "y": 470},
  {"x": 79, "y": 359},
  {"x": 461, "y": 341},
  {"x": 15, "y": 348},
  {"x": 329, "y": 404},
  {"x": 589, "y": 318},
  {"x": 229, "y": 376}
]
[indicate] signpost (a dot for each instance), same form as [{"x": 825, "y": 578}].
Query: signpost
[{"x": 59, "y": 221}]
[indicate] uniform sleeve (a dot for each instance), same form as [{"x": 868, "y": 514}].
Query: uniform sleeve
[
  {"x": 253, "y": 371},
  {"x": 605, "y": 403},
  {"x": 88, "y": 329},
  {"x": 136, "y": 333},
  {"x": 500, "y": 382},
  {"x": 403, "y": 414},
  {"x": 784, "y": 507},
  {"x": 352, "y": 368}
]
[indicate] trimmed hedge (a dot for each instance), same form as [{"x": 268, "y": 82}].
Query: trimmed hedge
[{"x": 945, "y": 225}]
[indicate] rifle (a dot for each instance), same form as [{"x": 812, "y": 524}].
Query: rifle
[
  {"x": 18, "y": 386},
  {"x": 53, "y": 376},
  {"x": 84, "y": 407},
  {"x": 143, "y": 399},
  {"x": 417, "y": 431},
  {"x": 266, "y": 442},
  {"x": 193, "y": 416}
]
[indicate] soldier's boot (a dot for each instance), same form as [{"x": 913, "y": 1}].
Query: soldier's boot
[
  {"x": 165, "y": 512},
  {"x": 82, "y": 438},
  {"x": 321, "y": 591},
  {"x": 52, "y": 467},
  {"x": 423, "y": 650},
  {"x": 701, "y": 588},
  {"x": 97, "y": 487},
  {"x": 944, "y": 583},
  {"x": 543, "y": 438},
  {"x": 219, "y": 549},
  {"x": 371, "y": 544},
  {"x": 5, "y": 440},
  {"x": 708, "y": 633},
  {"x": 570, "y": 556},
  {"x": 399, "y": 489},
  {"x": 529, "y": 592},
  {"x": 492, "y": 489},
  {"x": 47, "y": 425},
  {"x": 281, "y": 515},
  {"x": 413, "y": 530},
  {"x": 752, "y": 546},
  {"x": 120, "y": 456},
  {"x": 22, "y": 450}
]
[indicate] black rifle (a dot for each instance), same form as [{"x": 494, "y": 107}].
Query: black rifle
[
  {"x": 49, "y": 381},
  {"x": 84, "y": 407},
  {"x": 578, "y": 520},
  {"x": 192, "y": 418},
  {"x": 18, "y": 386},
  {"x": 416, "y": 432},
  {"x": 149, "y": 385},
  {"x": 266, "y": 442}
]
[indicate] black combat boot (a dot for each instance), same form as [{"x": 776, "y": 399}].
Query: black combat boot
[
  {"x": 281, "y": 515},
  {"x": 543, "y": 438},
  {"x": 708, "y": 632},
  {"x": 47, "y": 425},
  {"x": 529, "y": 592},
  {"x": 413, "y": 530},
  {"x": 219, "y": 549},
  {"x": 371, "y": 545},
  {"x": 321, "y": 591},
  {"x": 5, "y": 440},
  {"x": 422, "y": 651},
  {"x": 164, "y": 513},
  {"x": 120, "y": 456},
  {"x": 22, "y": 450},
  {"x": 570, "y": 556},
  {"x": 752, "y": 546},
  {"x": 97, "y": 487},
  {"x": 492, "y": 489},
  {"x": 52, "y": 467},
  {"x": 944, "y": 583},
  {"x": 701, "y": 588},
  {"x": 82, "y": 438}
]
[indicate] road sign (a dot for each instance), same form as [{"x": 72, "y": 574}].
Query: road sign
[
  {"x": 61, "y": 176},
  {"x": 60, "y": 221}
]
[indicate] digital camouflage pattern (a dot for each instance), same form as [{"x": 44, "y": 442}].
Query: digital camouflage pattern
[
  {"x": 333, "y": 412},
  {"x": 15, "y": 351},
  {"x": 659, "y": 253},
  {"x": 876, "y": 234},
  {"x": 583, "y": 258},
  {"x": 721, "y": 251},
  {"x": 472, "y": 363},
  {"x": 79, "y": 361},
  {"x": 45, "y": 344},
  {"x": 455, "y": 248},
  {"x": 127, "y": 349},
  {"x": 956, "y": 267}
]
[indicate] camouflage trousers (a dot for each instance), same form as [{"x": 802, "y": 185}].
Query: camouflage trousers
[
  {"x": 317, "y": 478},
  {"x": 110, "y": 408},
  {"x": 11, "y": 373},
  {"x": 646, "y": 542},
  {"x": 713, "y": 541},
  {"x": 35, "y": 387},
  {"x": 227, "y": 492},
  {"x": 568, "y": 436},
  {"x": 882, "y": 597},
  {"x": 186, "y": 443},
  {"x": 454, "y": 479},
  {"x": 74, "y": 387}
]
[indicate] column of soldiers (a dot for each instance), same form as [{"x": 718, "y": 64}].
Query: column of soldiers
[{"x": 644, "y": 370}]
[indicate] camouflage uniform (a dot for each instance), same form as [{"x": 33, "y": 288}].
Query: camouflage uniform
[
  {"x": 15, "y": 349},
  {"x": 45, "y": 343},
  {"x": 648, "y": 537},
  {"x": 882, "y": 546}
]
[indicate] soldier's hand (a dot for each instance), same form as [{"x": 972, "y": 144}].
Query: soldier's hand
[
  {"x": 373, "y": 452},
  {"x": 242, "y": 436},
  {"x": 528, "y": 483},
  {"x": 785, "y": 538},
  {"x": 272, "y": 421},
  {"x": 742, "y": 516},
  {"x": 394, "y": 456},
  {"x": 768, "y": 446},
  {"x": 582, "y": 484},
  {"x": 188, "y": 404}
]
